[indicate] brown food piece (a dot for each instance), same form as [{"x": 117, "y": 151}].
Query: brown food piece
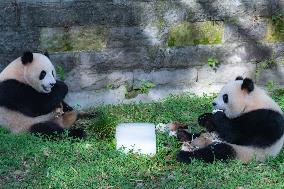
[{"x": 176, "y": 126}]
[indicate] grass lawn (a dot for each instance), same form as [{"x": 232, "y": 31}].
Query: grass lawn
[{"x": 27, "y": 161}]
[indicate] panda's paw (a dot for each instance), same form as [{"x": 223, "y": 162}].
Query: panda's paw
[
  {"x": 218, "y": 117},
  {"x": 77, "y": 133},
  {"x": 204, "y": 119},
  {"x": 183, "y": 135},
  {"x": 184, "y": 157}
]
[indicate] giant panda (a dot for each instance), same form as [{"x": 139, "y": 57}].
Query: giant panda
[
  {"x": 30, "y": 96},
  {"x": 249, "y": 125}
]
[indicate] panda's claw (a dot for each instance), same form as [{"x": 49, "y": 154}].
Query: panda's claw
[{"x": 183, "y": 135}]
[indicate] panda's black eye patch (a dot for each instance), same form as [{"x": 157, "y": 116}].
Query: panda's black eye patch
[
  {"x": 225, "y": 98},
  {"x": 42, "y": 75}
]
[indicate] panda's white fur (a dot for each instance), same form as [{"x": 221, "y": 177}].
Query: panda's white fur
[
  {"x": 247, "y": 153},
  {"x": 240, "y": 102}
]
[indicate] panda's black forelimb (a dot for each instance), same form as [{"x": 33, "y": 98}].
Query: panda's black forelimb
[
  {"x": 20, "y": 97},
  {"x": 50, "y": 128},
  {"x": 51, "y": 100},
  {"x": 218, "y": 151},
  {"x": 260, "y": 128}
]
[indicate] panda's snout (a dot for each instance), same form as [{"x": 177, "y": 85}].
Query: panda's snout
[{"x": 51, "y": 84}]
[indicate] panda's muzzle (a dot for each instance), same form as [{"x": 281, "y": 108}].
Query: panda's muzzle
[{"x": 47, "y": 89}]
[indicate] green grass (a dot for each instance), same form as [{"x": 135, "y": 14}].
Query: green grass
[{"x": 27, "y": 161}]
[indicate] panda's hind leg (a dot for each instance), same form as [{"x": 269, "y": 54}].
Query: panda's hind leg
[
  {"x": 51, "y": 128},
  {"x": 68, "y": 119},
  {"x": 209, "y": 154},
  {"x": 80, "y": 115}
]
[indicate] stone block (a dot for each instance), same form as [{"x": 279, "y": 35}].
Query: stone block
[
  {"x": 275, "y": 73},
  {"x": 169, "y": 77},
  {"x": 133, "y": 37},
  {"x": 77, "y": 38},
  {"x": 68, "y": 61},
  {"x": 246, "y": 28},
  {"x": 83, "y": 79},
  {"x": 275, "y": 31},
  {"x": 115, "y": 59},
  {"x": 187, "y": 33},
  {"x": 68, "y": 13},
  {"x": 9, "y": 14}
]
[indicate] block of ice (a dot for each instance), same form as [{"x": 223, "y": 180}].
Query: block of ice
[{"x": 137, "y": 137}]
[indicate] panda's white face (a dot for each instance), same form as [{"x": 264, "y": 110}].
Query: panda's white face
[
  {"x": 232, "y": 99},
  {"x": 241, "y": 96},
  {"x": 40, "y": 73}
]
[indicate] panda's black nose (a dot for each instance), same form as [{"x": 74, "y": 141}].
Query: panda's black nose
[
  {"x": 52, "y": 84},
  {"x": 214, "y": 104}
]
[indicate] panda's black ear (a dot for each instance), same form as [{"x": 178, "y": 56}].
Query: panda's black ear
[
  {"x": 46, "y": 54},
  {"x": 248, "y": 85},
  {"x": 27, "y": 57},
  {"x": 239, "y": 78}
]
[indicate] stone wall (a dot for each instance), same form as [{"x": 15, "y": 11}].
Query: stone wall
[{"x": 112, "y": 51}]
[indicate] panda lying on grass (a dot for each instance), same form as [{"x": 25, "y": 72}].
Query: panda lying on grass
[
  {"x": 30, "y": 97},
  {"x": 249, "y": 125}
]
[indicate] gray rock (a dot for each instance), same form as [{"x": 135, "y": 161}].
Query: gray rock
[
  {"x": 133, "y": 37},
  {"x": 68, "y": 13},
  {"x": 87, "y": 99},
  {"x": 225, "y": 73},
  {"x": 275, "y": 73},
  {"x": 246, "y": 28},
  {"x": 9, "y": 14},
  {"x": 169, "y": 77},
  {"x": 68, "y": 61},
  {"x": 83, "y": 79}
]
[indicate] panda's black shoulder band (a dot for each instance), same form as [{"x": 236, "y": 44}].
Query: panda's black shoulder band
[
  {"x": 27, "y": 57},
  {"x": 248, "y": 85}
]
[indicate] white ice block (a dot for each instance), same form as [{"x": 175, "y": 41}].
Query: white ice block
[{"x": 138, "y": 137}]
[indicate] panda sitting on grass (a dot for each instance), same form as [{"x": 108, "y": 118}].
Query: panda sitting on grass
[
  {"x": 30, "y": 96},
  {"x": 248, "y": 124}
]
